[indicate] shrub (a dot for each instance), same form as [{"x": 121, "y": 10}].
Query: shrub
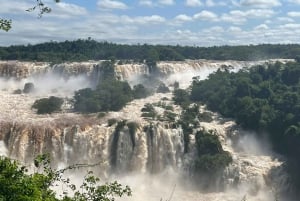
[
  {"x": 48, "y": 105},
  {"x": 112, "y": 121},
  {"x": 210, "y": 155},
  {"x": 162, "y": 88}
]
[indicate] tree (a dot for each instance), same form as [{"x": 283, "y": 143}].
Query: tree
[
  {"x": 48, "y": 105},
  {"x": 17, "y": 185}
]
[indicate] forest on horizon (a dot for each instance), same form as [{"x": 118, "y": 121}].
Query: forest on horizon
[{"x": 89, "y": 49}]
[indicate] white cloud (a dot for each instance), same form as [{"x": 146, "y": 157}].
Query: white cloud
[
  {"x": 210, "y": 3},
  {"x": 142, "y": 20},
  {"x": 206, "y": 15},
  {"x": 166, "y": 2},
  {"x": 259, "y": 13},
  {"x": 293, "y": 14},
  {"x": 111, "y": 4},
  {"x": 193, "y": 3},
  {"x": 14, "y": 7},
  {"x": 214, "y": 30},
  {"x": 146, "y": 3},
  {"x": 285, "y": 19},
  {"x": 261, "y": 27},
  {"x": 233, "y": 18},
  {"x": 260, "y": 3},
  {"x": 234, "y": 29},
  {"x": 290, "y": 26},
  {"x": 183, "y": 18},
  {"x": 65, "y": 10},
  {"x": 295, "y": 1},
  {"x": 240, "y": 17}
]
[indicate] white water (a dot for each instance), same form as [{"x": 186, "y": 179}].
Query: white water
[{"x": 73, "y": 138}]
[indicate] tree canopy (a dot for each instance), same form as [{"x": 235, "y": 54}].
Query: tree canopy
[
  {"x": 89, "y": 49},
  {"x": 16, "y": 184},
  {"x": 265, "y": 99}
]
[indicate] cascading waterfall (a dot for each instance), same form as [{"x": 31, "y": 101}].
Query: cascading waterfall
[{"x": 135, "y": 146}]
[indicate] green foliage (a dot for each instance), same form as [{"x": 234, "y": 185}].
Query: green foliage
[
  {"x": 5, "y": 24},
  {"x": 110, "y": 95},
  {"x": 181, "y": 97},
  {"x": 101, "y": 114},
  {"x": 162, "y": 88},
  {"x": 149, "y": 111},
  {"x": 265, "y": 99},
  {"x": 48, "y": 105},
  {"x": 140, "y": 91},
  {"x": 82, "y": 50},
  {"x": 16, "y": 184},
  {"x": 211, "y": 157},
  {"x": 112, "y": 121},
  {"x": 92, "y": 191},
  {"x": 176, "y": 85},
  {"x": 205, "y": 117},
  {"x": 188, "y": 121}
]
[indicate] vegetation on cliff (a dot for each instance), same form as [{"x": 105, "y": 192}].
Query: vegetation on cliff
[
  {"x": 265, "y": 99},
  {"x": 110, "y": 94},
  {"x": 48, "y": 105}
]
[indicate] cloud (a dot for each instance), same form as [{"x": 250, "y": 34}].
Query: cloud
[
  {"x": 260, "y": 3},
  {"x": 234, "y": 29},
  {"x": 261, "y": 27},
  {"x": 295, "y": 1},
  {"x": 110, "y": 4},
  {"x": 293, "y": 14},
  {"x": 143, "y": 20},
  {"x": 206, "y": 15},
  {"x": 66, "y": 10},
  {"x": 290, "y": 26},
  {"x": 166, "y": 2},
  {"x": 240, "y": 17},
  {"x": 193, "y": 3},
  {"x": 183, "y": 18},
  {"x": 285, "y": 19},
  {"x": 214, "y": 30},
  {"x": 15, "y": 7},
  {"x": 146, "y": 3}
]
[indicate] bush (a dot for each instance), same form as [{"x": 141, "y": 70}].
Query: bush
[
  {"x": 17, "y": 91},
  {"x": 140, "y": 91},
  {"x": 110, "y": 95},
  {"x": 162, "y": 88},
  {"x": 210, "y": 155},
  {"x": 181, "y": 97},
  {"x": 17, "y": 184},
  {"x": 48, "y": 105},
  {"x": 112, "y": 121}
]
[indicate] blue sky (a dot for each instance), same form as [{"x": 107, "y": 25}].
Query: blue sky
[{"x": 185, "y": 22}]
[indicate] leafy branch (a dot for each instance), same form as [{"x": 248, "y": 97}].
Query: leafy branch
[{"x": 5, "y": 24}]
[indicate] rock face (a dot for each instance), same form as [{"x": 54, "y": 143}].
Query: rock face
[{"x": 135, "y": 146}]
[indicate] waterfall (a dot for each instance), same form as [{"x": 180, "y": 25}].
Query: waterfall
[{"x": 147, "y": 154}]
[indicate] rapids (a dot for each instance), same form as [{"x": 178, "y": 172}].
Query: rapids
[{"x": 149, "y": 158}]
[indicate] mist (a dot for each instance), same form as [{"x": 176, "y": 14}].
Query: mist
[{"x": 48, "y": 84}]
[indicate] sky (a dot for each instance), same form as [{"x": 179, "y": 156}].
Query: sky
[{"x": 173, "y": 22}]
